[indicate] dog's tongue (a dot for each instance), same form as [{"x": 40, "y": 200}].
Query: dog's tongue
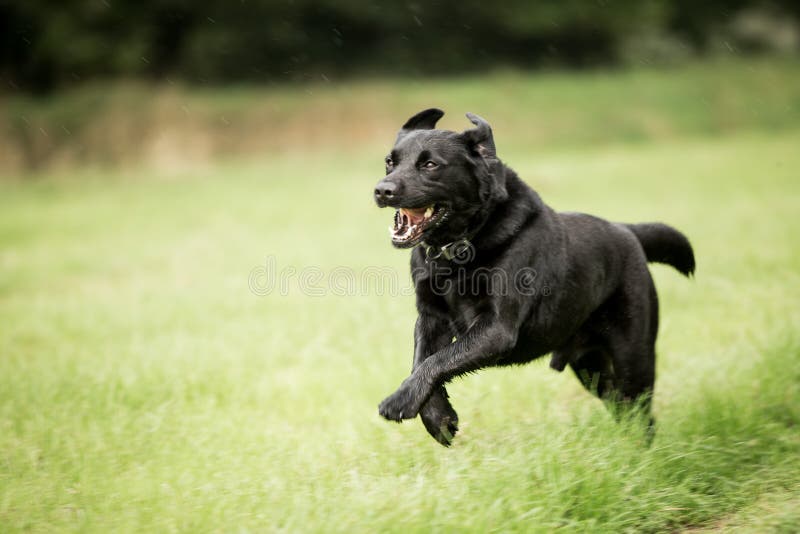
[{"x": 415, "y": 216}]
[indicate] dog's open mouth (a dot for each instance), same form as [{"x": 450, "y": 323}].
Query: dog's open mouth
[{"x": 410, "y": 224}]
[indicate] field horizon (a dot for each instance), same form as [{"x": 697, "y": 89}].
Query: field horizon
[{"x": 172, "y": 127}]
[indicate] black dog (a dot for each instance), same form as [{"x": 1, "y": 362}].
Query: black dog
[{"x": 503, "y": 279}]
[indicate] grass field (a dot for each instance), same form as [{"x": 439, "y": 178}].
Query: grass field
[{"x": 144, "y": 385}]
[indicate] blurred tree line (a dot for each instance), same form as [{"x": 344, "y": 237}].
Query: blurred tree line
[{"x": 48, "y": 44}]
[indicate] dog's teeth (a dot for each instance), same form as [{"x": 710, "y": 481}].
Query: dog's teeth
[{"x": 428, "y": 212}]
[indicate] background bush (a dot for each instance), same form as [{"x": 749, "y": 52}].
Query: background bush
[{"x": 48, "y": 44}]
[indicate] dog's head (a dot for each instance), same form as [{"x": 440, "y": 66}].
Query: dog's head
[{"x": 441, "y": 183}]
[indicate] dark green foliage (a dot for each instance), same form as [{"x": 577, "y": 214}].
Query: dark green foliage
[{"x": 47, "y": 44}]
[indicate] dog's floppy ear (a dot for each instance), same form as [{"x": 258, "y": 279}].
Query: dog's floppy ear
[
  {"x": 480, "y": 138},
  {"x": 424, "y": 120},
  {"x": 481, "y": 142}
]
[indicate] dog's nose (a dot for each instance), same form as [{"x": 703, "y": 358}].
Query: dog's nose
[{"x": 385, "y": 190}]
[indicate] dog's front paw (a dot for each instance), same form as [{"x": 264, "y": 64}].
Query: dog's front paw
[
  {"x": 402, "y": 404},
  {"x": 439, "y": 418}
]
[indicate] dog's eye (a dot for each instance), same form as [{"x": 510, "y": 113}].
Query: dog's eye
[
  {"x": 389, "y": 163},
  {"x": 430, "y": 165}
]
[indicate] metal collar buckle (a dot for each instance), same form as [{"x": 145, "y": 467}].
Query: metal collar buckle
[{"x": 461, "y": 250}]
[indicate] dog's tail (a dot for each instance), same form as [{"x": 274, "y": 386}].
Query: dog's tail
[{"x": 664, "y": 244}]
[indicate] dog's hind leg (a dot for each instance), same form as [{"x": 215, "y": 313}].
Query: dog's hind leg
[
  {"x": 634, "y": 362},
  {"x": 634, "y": 385},
  {"x": 633, "y": 356},
  {"x": 595, "y": 371},
  {"x": 588, "y": 356},
  {"x": 622, "y": 387}
]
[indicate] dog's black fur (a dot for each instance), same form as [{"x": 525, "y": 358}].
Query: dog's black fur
[{"x": 593, "y": 304}]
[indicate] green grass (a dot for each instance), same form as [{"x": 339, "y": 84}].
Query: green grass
[{"x": 144, "y": 387}]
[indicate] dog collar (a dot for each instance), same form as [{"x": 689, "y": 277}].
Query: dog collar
[{"x": 461, "y": 250}]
